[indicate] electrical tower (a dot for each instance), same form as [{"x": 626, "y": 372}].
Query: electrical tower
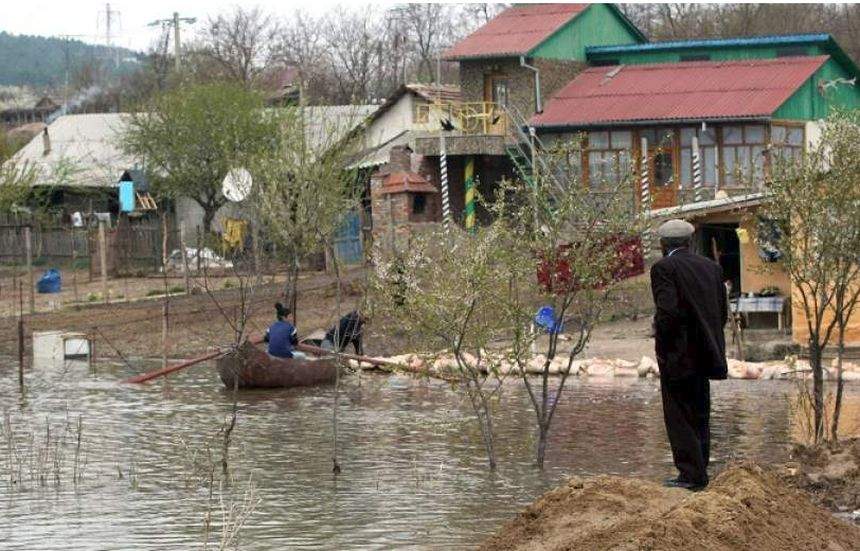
[
  {"x": 109, "y": 17},
  {"x": 174, "y": 22}
]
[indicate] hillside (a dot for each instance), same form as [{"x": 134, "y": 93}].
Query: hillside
[{"x": 41, "y": 61}]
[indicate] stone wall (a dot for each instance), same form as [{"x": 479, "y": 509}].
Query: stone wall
[{"x": 553, "y": 74}]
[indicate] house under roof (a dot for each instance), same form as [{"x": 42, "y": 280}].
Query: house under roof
[
  {"x": 84, "y": 150},
  {"x": 677, "y": 92},
  {"x": 546, "y": 30},
  {"x": 80, "y": 151}
]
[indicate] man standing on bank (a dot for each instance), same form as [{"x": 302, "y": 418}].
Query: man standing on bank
[{"x": 691, "y": 310}]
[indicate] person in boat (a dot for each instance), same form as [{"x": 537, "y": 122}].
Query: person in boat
[
  {"x": 282, "y": 336},
  {"x": 347, "y": 331}
]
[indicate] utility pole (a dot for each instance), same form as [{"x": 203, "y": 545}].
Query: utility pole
[
  {"x": 67, "y": 38},
  {"x": 174, "y": 23}
]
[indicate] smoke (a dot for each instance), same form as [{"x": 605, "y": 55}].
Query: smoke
[{"x": 74, "y": 103}]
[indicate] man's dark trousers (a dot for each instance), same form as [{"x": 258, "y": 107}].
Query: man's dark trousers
[{"x": 687, "y": 411}]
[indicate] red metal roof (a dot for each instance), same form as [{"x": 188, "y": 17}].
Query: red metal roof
[
  {"x": 697, "y": 90},
  {"x": 515, "y": 31}
]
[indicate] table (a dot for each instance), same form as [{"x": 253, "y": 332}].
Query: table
[{"x": 746, "y": 305}]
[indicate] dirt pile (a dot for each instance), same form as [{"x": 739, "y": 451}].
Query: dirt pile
[
  {"x": 830, "y": 475},
  {"x": 746, "y": 507}
]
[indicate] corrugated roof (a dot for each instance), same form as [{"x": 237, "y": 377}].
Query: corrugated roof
[
  {"x": 434, "y": 92},
  {"x": 713, "y": 206},
  {"x": 706, "y": 90},
  {"x": 84, "y": 151},
  {"x": 515, "y": 31},
  {"x": 744, "y": 41}
]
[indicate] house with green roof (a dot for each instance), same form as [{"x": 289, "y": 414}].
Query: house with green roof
[{"x": 508, "y": 68}]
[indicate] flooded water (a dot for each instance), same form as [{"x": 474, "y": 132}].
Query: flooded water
[{"x": 414, "y": 474}]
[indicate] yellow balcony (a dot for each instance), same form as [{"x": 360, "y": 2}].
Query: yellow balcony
[{"x": 473, "y": 118}]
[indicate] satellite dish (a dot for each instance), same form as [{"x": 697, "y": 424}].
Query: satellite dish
[{"x": 237, "y": 185}]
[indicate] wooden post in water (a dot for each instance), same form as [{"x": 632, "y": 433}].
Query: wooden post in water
[
  {"x": 103, "y": 260},
  {"x": 184, "y": 254},
  {"x": 21, "y": 335},
  {"x": 28, "y": 243},
  {"x": 165, "y": 309}
]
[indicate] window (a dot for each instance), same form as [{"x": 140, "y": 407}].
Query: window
[
  {"x": 787, "y": 142},
  {"x": 500, "y": 92},
  {"x": 707, "y": 156},
  {"x": 419, "y": 203},
  {"x": 663, "y": 168},
  {"x": 609, "y": 157},
  {"x": 743, "y": 155}
]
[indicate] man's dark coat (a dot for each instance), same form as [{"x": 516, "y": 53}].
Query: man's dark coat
[{"x": 690, "y": 298}]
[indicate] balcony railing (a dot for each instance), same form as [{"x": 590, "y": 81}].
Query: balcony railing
[{"x": 473, "y": 118}]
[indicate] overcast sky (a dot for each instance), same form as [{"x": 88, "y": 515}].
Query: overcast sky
[{"x": 129, "y": 27}]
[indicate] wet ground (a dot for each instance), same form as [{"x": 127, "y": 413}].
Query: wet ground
[{"x": 414, "y": 474}]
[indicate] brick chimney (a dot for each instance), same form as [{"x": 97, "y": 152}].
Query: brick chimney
[
  {"x": 399, "y": 159},
  {"x": 46, "y": 142}
]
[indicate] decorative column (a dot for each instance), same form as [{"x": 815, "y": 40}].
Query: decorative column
[
  {"x": 698, "y": 188},
  {"x": 469, "y": 183},
  {"x": 443, "y": 171},
  {"x": 645, "y": 198}
]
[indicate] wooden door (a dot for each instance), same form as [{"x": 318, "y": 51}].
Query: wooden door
[{"x": 663, "y": 166}]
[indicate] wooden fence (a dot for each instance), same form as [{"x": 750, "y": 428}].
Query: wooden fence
[
  {"x": 132, "y": 248},
  {"x": 53, "y": 244}
]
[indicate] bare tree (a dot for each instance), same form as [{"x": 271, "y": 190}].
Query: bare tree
[{"x": 242, "y": 44}]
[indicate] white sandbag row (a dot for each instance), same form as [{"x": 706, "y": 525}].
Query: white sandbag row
[{"x": 609, "y": 368}]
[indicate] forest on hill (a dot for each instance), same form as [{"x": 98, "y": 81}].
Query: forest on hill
[{"x": 40, "y": 61}]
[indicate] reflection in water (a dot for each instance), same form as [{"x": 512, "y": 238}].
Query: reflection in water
[{"x": 413, "y": 470}]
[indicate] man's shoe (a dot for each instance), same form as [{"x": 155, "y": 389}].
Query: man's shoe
[{"x": 691, "y": 486}]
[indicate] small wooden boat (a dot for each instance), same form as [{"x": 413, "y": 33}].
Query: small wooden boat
[{"x": 254, "y": 368}]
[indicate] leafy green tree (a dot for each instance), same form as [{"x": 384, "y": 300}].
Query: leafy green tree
[
  {"x": 191, "y": 137},
  {"x": 815, "y": 203}
]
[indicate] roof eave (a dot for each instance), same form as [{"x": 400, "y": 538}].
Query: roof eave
[
  {"x": 494, "y": 55},
  {"x": 649, "y": 122},
  {"x": 767, "y": 40}
]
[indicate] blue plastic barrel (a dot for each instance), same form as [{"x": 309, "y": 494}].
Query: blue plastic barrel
[{"x": 50, "y": 282}]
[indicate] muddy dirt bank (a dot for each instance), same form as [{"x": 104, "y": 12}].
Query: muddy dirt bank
[{"x": 745, "y": 507}]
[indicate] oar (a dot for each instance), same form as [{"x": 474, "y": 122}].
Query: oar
[
  {"x": 374, "y": 361},
  {"x": 143, "y": 377},
  {"x": 317, "y": 351}
]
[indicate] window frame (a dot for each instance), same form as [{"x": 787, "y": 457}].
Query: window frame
[
  {"x": 615, "y": 152},
  {"x": 742, "y": 154}
]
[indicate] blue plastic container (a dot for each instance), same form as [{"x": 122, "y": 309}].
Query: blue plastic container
[
  {"x": 50, "y": 282},
  {"x": 545, "y": 319}
]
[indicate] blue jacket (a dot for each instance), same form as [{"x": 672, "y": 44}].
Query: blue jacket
[{"x": 281, "y": 336}]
